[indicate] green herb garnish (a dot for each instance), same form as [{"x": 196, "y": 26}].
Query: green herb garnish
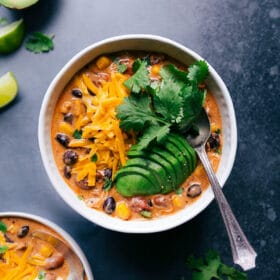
[
  {"x": 218, "y": 131},
  {"x": 42, "y": 275},
  {"x": 140, "y": 80},
  {"x": 121, "y": 67},
  {"x": 77, "y": 134},
  {"x": 3, "y": 227},
  {"x": 3, "y": 249},
  {"x": 94, "y": 158},
  {"x": 146, "y": 214},
  {"x": 173, "y": 104},
  {"x": 39, "y": 42},
  {"x": 179, "y": 190},
  {"x": 211, "y": 267},
  {"x": 108, "y": 183}
]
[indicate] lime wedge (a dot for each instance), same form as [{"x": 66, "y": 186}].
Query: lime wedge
[
  {"x": 8, "y": 89},
  {"x": 11, "y": 36}
]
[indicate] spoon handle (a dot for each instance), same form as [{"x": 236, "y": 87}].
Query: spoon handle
[{"x": 243, "y": 253}]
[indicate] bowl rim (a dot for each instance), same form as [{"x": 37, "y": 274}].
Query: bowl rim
[
  {"x": 59, "y": 231},
  {"x": 102, "y": 219}
]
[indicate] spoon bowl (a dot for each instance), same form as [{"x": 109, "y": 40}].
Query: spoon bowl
[{"x": 243, "y": 253}]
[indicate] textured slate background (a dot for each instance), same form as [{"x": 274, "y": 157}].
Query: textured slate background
[{"x": 241, "y": 41}]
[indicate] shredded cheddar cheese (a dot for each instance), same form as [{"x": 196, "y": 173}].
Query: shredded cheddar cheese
[{"x": 95, "y": 116}]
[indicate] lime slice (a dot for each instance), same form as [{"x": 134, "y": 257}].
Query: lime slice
[
  {"x": 11, "y": 36},
  {"x": 8, "y": 88},
  {"x": 17, "y": 4}
]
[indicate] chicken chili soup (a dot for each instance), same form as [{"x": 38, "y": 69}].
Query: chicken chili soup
[
  {"x": 118, "y": 134},
  {"x": 23, "y": 256}
]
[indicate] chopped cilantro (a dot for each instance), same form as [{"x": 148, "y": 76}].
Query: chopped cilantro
[
  {"x": 218, "y": 151},
  {"x": 107, "y": 184},
  {"x": 3, "y": 227},
  {"x": 77, "y": 134},
  {"x": 218, "y": 131},
  {"x": 140, "y": 80},
  {"x": 94, "y": 158},
  {"x": 179, "y": 191},
  {"x": 3, "y": 249},
  {"x": 121, "y": 67},
  {"x": 146, "y": 214},
  {"x": 211, "y": 267},
  {"x": 42, "y": 275},
  {"x": 174, "y": 103},
  {"x": 39, "y": 42}
]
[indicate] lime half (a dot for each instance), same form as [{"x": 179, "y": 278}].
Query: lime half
[
  {"x": 11, "y": 36},
  {"x": 8, "y": 89}
]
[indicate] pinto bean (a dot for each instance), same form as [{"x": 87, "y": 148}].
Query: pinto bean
[
  {"x": 7, "y": 238},
  {"x": 67, "y": 171},
  {"x": 162, "y": 201},
  {"x": 68, "y": 118},
  {"x": 54, "y": 262},
  {"x": 194, "y": 190},
  {"x": 156, "y": 58},
  {"x": 139, "y": 204},
  {"x": 23, "y": 231},
  {"x": 83, "y": 184}
]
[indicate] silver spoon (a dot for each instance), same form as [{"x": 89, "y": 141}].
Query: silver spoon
[
  {"x": 243, "y": 253},
  {"x": 76, "y": 270}
]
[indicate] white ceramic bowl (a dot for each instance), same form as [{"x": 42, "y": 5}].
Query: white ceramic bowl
[
  {"x": 148, "y": 43},
  {"x": 75, "y": 247}
]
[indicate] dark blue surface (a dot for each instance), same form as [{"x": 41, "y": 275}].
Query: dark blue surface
[{"x": 241, "y": 41}]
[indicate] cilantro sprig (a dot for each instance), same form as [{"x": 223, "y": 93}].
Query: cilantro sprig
[
  {"x": 154, "y": 109},
  {"x": 211, "y": 267},
  {"x": 39, "y": 42}
]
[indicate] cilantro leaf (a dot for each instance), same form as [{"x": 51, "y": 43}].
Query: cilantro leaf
[
  {"x": 3, "y": 249},
  {"x": 77, "y": 134},
  {"x": 135, "y": 113},
  {"x": 155, "y": 132},
  {"x": 211, "y": 267},
  {"x": 107, "y": 184},
  {"x": 39, "y": 42},
  {"x": 42, "y": 275},
  {"x": 3, "y": 227},
  {"x": 140, "y": 80},
  {"x": 121, "y": 67},
  {"x": 198, "y": 72},
  {"x": 94, "y": 158}
]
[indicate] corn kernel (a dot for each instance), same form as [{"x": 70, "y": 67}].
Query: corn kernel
[
  {"x": 178, "y": 201},
  {"x": 65, "y": 107},
  {"x": 46, "y": 251},
  {"x": 155, "y": 69},
  {"x": 122, "y": 211},
  {"x": 103, "y": 62}
]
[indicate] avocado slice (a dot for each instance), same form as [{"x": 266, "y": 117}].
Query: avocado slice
[
  {"x": 135, "y": 180},
  {"x": 171, "y": 176},
  {"x": 18, "y": 4},
  {"x": 187, "y": 146},
  {"x": 157, "y": 170}
]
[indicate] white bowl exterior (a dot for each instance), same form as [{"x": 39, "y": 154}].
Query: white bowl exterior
[
  {"x": 75, "y": 247},
  {"x": 148, "y": 43}
]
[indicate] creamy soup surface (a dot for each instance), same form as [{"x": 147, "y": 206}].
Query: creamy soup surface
[
  {"x": 89, "y": 146},
  {"x": 25, "y": 257}
]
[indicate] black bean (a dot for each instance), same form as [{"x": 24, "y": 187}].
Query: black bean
[
  {"x": 109, "y": 205},
  {"x": 63, "y": 139},
  {"x": 214, "y": 141},
  {"x": 70, "y": 157},
  {"x": 77, "y": 92},
  {"x": 67, "y": 171},
  {"x": 68, "y": 118},
  {"x": 108, "y": 173},
  {"x": 194, "y": 190},
  {"x": 23, "y": 231}
]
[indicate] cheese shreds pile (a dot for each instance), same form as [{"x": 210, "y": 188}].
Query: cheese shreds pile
[
  {"x": 95, "y": 119},
  {"x": 19, "y": 266}
]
